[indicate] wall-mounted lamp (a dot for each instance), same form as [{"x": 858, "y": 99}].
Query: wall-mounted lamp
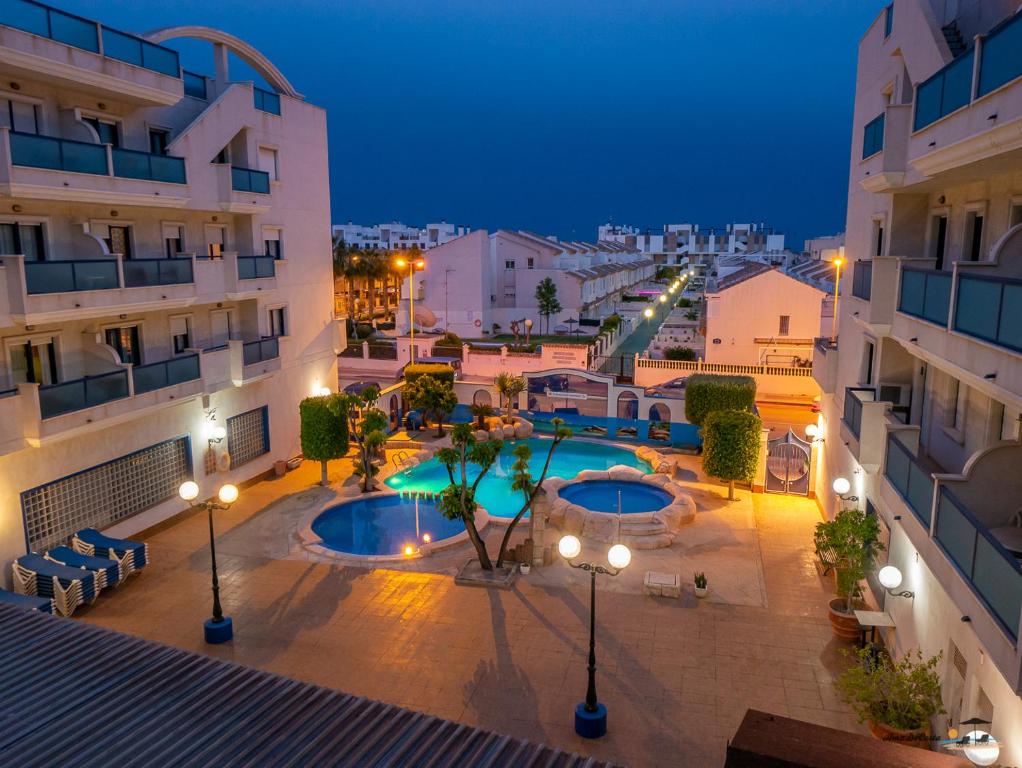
[
  {"x": 990, "y": 376},
  {"x": 890, "y": 579},
  {"x": 841, "y": 487},
  {"x": 813, "y": 433},
  {"x": 914, "y": 339},
  {"x": 215, "y": 434}
]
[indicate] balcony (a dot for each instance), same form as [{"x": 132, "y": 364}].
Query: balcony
[
  {"x": 51, "y": 168},
  {"x": 254, "y": 360},
  {"x": 909, "y": 475},
  {"x": 250, "y": 180},
  {"x": 52, "y": 291},
  {"x": 243, "y": 190},
  {"x": 44, "y": 43},
  {"x": 825, "y": 364},
  {"x": 989, "y": 308},
  {"x": 862, "y": 425},
  {"x": 166, "y": 373},
  {"x": 925, "y": 294},
  {"x": 862, "y": 280},
  {"x": 885, "y": 149},
  {"x": 266, "y": 101},
  {"x": 256, "y": 267}
]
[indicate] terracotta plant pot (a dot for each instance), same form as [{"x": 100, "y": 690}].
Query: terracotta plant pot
[
  {"x": 917, "y": 737},
  {"x": 844, "y": 625}
]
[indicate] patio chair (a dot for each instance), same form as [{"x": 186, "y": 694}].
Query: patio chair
[
  {"x": 68, "y": 587},
  {"x": 28, "y": 602},
  {"x": 132, "y": 556},
  {"x": 108, "y": 572}
]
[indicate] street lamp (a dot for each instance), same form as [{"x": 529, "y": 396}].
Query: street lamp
[
  {"x": 837, "y": 295},
  {"x": 647, "y": 312},
  {"x": 591, "y": 715},
  {"x": 414, "y": 265},
  {"x": 220, "y": 628}
]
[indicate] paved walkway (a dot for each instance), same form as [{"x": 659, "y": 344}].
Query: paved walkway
[
  {"x": 677, "y": 676},
  {"x": 637, "y": 342}
]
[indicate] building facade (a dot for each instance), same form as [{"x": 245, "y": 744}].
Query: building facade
[
  {"x": 689, "y": 244},
  {"x": 396, "y": 236},
  {"x": 923, "y": 390},
  {"x": 165, "y": 295}
]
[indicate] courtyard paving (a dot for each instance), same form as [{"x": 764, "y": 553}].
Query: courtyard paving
[{"x": 676, "y": 675}]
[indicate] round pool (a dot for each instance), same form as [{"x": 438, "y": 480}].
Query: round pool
[
  {"x": 494, "y": 493},
  {"x": 603, "y": 496},
  {"x": 382, "y": 525}
]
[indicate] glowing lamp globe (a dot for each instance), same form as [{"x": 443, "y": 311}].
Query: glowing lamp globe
[
  {"x": 324, "y": 391},
  {"x": 841, "y": 486},
  {"x": 981, "y": 753},
  {"x": 889, "y": 577},
  {"x": 189, "y": 490},
  {"x": 219, "y": 433},
  {"x": 647, "y": 313},
  {"x": 228, "y": 494},
  {"x": 619, "y": 556},
  {"x": 569, "y": 546},
  {"x": 663, "y": 299},
  {"x": 812, "y": 431}
]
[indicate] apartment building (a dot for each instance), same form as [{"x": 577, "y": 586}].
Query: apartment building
[
  {"x": 923, "y": 390},
  {"x": 692, "y": 245},
  {"x": 482, "y": 280},
  {"x": 396, "y": 236},
  {"x": 825, "y": 247},
  {"x": 165, "y": 295}
]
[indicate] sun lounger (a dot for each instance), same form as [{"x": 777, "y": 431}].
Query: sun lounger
[
  {"x": 133, "y": 556},
  {"x": 68, "y": 587},
  {"x": 28, "y": 602},
  {"x": 108, "y": 572}
]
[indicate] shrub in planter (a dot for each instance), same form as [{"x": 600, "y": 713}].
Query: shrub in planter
[
  {"x": 851, "y": 542},
  {"x": 731, "y": 446},
  {"x": 896, "y": 698},
  {"x": 705, "y": 393},
  {"x": 438, "y": 371},
  {"x": 679, "y": 353},
  {"x": 434, "y": 397}
]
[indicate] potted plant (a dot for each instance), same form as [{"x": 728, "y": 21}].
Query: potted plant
[
  {"x": 896, "y": 699},
  {"x": 701, "y": 588},
  {"x": 524, "y": 568},
  {"x": 852, "y": 538}
]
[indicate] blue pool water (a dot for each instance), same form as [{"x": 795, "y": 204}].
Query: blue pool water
[
  {"x": 494, "y": 492},
  {"x": 382, "y": 525},
  {"x": 602, "y": 496}
]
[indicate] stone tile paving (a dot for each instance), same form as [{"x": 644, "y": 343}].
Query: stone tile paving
[{"x": 677, "y": 675}]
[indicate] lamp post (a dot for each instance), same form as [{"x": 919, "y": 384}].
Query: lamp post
[
  {"x": 219, "y": 628},
  {"x": 413, "y": 265},
  {"x": 837, "y": 295},
  {"x": 591, "y": 715}
]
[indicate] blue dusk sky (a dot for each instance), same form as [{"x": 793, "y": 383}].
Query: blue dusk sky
[{"x": 553, "y": 115}]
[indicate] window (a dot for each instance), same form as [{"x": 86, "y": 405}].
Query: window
[
  {"x": 158, "y": 141},
  {"x": 216, "y": 241},
  {"x": 248, "y": 436},
  {"x": 105, "y": 129},
  {"x": 532, "y": 263},
  {"x": 173, "y": 239},
  {"x": 939, "y": 240},
  {"x": 223, "y": 157},
  {"x": 868, "y": 355},
  {"x": 19, "y": 116},
  {"x": 117, "y": 238},
  {"x": 268, "y": 162},
  {"x": 509, "y": 264},
  {"x": 34, "y": 361},
  {"x": 124, "y": 340},
  {"x": 181, "y": 333},
  {"x": 878, "y": 237},
  {"x": 271, "y": 243},
  {"x": 784, "y": 325},
  {"x": 25, "y": 239},
  {"x": 278, "y": 326},
  {"x": 888, "y": 20},
  {"x": 220, "y": 327},
  {"x": 974, "y": 235},
  {"x": 1016, "y": 215}
]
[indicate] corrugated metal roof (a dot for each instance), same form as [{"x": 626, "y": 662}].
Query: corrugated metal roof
[{"x": 80, "y": 695}]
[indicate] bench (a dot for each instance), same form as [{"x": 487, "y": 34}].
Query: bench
[{"x": 827, "y": 558}]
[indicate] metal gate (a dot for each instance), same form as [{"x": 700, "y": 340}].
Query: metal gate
[
  {"x": 788, "y": 465},
  {"x": 622, "y": 366}
]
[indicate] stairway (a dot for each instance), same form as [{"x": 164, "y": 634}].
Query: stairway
[
  {"x": 954, "y": 39},
  {"x": 651, "y": 534}
]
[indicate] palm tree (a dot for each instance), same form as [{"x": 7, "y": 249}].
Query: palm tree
[{"x": 509, "y": 386}]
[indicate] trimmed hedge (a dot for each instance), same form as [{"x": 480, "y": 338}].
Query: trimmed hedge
[
  {"x": 680, "y": 353},
  {"x": 324, "y": 430},
  {"x": 705, "y": 393},
  {"x": 731, "y": 445},
  {"x": 438, "y": 371}
]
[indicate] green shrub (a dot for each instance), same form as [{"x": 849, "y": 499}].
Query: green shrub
[
  {"x": 731, "y": 446},
  {"x": 903, "y": 694},
  {"x": 684, "y": 303},
  {"x": 365, "y": 330},
  {"x": 705, "y": 393},
  {"x": 679, "y": 353},
  {"x": 434, "y": 397},
  {"x": 449, "y": 339},
  {"x": 324, "y": 432},
  {"x": 439, "y": 371}
]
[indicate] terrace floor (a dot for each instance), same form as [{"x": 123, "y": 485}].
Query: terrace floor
[{"x": 676, "y": 675}]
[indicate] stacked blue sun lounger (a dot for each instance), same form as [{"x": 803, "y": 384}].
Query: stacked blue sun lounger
[
  {"x": 28, "y": 602},
  {"x": 68, "y": 587},
  {"x": 132, "y": 556},
  {"x": 108, "y": 572}
]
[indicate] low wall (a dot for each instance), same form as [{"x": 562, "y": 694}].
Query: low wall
[
  {"x": 770, "y": 380},
  {"x": 479, "y": 364}
]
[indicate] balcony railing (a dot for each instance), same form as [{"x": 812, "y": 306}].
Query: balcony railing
[
  {"x": 873, "y": 136},
  {"x": 43, "y": 21},
  {"x": 77, "y": 395},
  {"x": 947, "y": 91},
  {"x": 992, "y": 572},
  {"x": 999, "y": 61},
  {"x": 926, "y": 294},
  {"x": 990, "y": 308},
  {"x": 139, "y": 273},
  {"x": 909, "y": 478},
  {"x": 255, "y": 267},
  {"x": 862, "y": 280},
  {"x": 130, "y": 164},
  {"x": 34, "y": 151},
  {"x": 195, "y": 85},
  {"x": 250, "y": 180},
  {"x": 266, "y": 101},
  {"x": 852, "y": 416},
  {"x": 165, "y": 373},
  {"x": 67, "y": 276},
  {"x": 260, "y": 351}
]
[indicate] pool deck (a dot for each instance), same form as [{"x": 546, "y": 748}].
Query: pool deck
[{"x": 677, "y": 675}]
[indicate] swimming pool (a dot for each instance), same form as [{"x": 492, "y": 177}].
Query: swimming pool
[
  {"x": 382, "y": 525},
  {"x": 603, "y": 495},
  {"x": 494, "y": 492}
]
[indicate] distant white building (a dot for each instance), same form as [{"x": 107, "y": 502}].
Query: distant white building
[
  {"x": 396, "y": 236},
  {"x": 680, "y": 244},
  {"x": 825, "y": 248}
]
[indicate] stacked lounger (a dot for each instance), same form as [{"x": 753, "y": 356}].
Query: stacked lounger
[
  {"x": 68, "y": 587},
  {"x": 132, "y": 556},
  {"x": 108, "y": 572},
  {"x": 28, "y": 602}
]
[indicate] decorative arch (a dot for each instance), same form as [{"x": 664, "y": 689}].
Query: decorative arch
[
  {"x": 627, "y": 405},
  {"x": 482, "y": 397},
  {"x": 659, "y": 412},
  {"x": 236, "y": 45}
]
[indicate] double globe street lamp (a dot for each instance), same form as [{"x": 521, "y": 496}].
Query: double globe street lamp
[
  {"x": 219, "y": 628},
  {"x": 591, "y": 715}
]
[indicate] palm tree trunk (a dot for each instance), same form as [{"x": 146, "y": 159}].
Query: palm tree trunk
[{"x": 528, "y": 504}]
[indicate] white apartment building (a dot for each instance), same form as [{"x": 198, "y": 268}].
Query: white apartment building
[
  {"x": 475, "y": 282},
  {"x": 923, "y": 391},
  {"x": 825, "y": 247},
  {"x": 396, "y": 236},
  {"x": 165, "y": 252},
  {"x": 681, "y": 244}
]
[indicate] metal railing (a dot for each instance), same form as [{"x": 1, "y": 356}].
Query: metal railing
[
  {"x": 260, "y": 351},
  {"x": 852, "y": 415},
  {"x": 873, "y": 136},
  {"x": 139, "y": 273},
  {"x": 266, "y": 101},
  {"x": 255, "y": 267},
  {"x": 67, "y": 276},
  {"x": 250, "y": 180},
  {"x": 165, "y": 373},
  {"x": 926, "y": 294},
  {"x": 909, "y": 478},
  {"x": 131, "y": 164},
  {"x": 35, "y": 151},
  {"x": 990, "y": 308},
  {"x": 77, "y": 395},
  {"x": 862, "y": 280}
]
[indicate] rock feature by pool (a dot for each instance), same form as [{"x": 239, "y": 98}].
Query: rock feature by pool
[{"x": 640, "y": 530}]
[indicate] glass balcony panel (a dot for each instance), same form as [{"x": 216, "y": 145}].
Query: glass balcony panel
[
  {"x": 1001, "y": 61},
  {"x": 160, "y": 59},
  {"x": 250, "y": 353},
  {"x": 253, "y": 267},
  {"x": 182, "y": 369},
  {"x": 176, "y": 271},
  {"x": 106, "y": 387},
  {"x": 167, "y": 169},
  {"x": 148, "y": 378},
  {"x": 65, "y": 28},
  {"x": 26, "y": 16},
  {"x": 49, "y": 277},
  {"x": 938, "y": 297},
  {"x": 266, "y": 101},
  {"x": 130, "y": 165},
  {"x": 270, "y": 349},
  {"x": 862, "y": 280},
  {"x": 897, "y": 465},
  {"x": 957, "y": 84},
  {"x": 913, "y": 289},
  {"x": 928, "y": 97},
  {"x": 35, "y": 151},
  {"x": 84, "y": 158},
  {"x": 1010, "y": 332},
  {"x": 141, "y": 272},
  {"x": 920, "y": 491},
  {"x": 977, "y": 308},
  {"x": 999, "y": 583},
  {"x": 61, "y": 398},
  {"x": 122, "y": 47},
  {"x": 95, "y": 275},
  {"x": 195, "y": 85},
  {"x": 956, "y": 534}
]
